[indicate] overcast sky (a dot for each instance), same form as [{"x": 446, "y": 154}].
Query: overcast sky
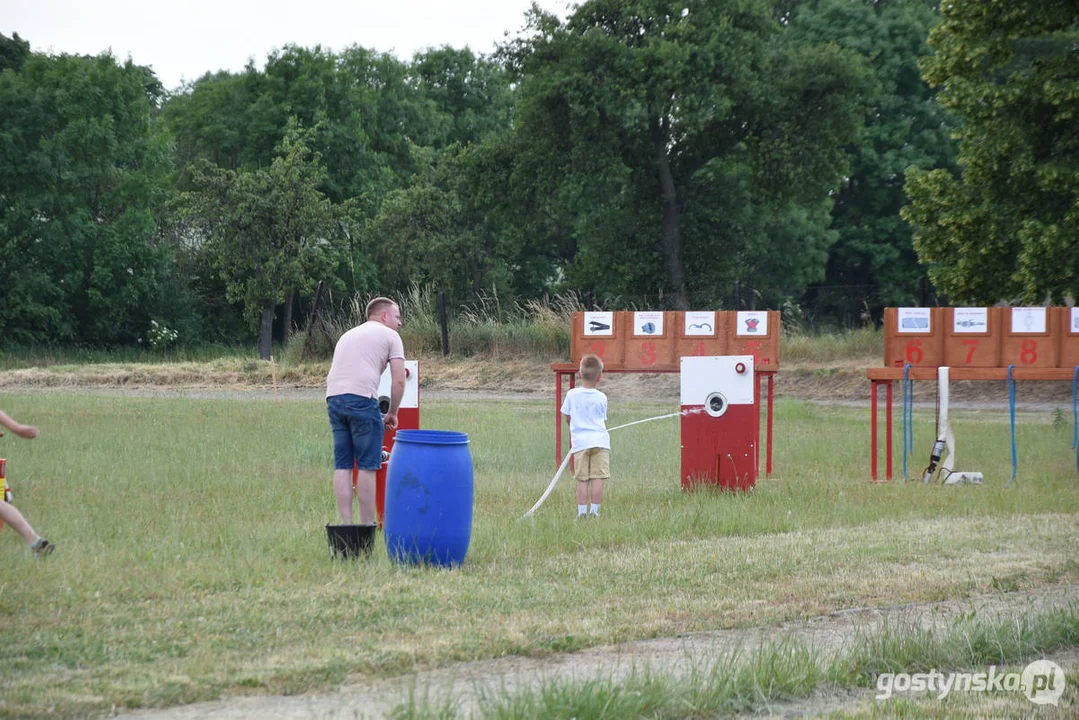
[{"x": 182, "y": 39}]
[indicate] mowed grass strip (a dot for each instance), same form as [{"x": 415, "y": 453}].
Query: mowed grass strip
[
  {"x": 192, "y": 559},
  {"x": 789, "y": 677}
]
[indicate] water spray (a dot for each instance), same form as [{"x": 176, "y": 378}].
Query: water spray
[{"x": 565, "y": 460}]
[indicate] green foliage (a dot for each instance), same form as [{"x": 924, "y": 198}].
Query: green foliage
[
  {"x": 13, "y": 52},
  {"x": 161, "y": 336},
  {"x": 82, "y": 173},
  {"x": 673, "y": 141},
  {"x": 364, "y": 113},
  {"x": 268, "y": 232},
  {"x": 905, "y": 128},
  {"x": 1005, "y": 228},
  {"x": 376, "y": 123},
  {"x": 471, "y": 95},
  {"x": 452, "y": 229}
]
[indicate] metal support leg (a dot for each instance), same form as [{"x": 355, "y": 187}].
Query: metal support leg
[
  {"x": 771, "y": 396},
  {"x": 873, "y": 430},
  {"x": 888, "y": 430},
  {"x": 557, "y": 418}
]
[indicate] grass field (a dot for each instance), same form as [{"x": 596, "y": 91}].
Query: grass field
[{"x": 192, "y": 559}]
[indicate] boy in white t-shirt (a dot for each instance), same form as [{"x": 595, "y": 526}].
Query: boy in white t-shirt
[{"x": 585, "y": 409}]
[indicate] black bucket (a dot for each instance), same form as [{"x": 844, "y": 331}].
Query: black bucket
[{"x": 349, "y": 541}]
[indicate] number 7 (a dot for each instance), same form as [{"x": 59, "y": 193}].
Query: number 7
[{"x": 973, "y": 344}]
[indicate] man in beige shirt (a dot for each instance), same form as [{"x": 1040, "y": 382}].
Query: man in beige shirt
[{"x": 359, "y": 359}]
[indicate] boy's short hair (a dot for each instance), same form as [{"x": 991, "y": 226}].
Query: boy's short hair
[
  {"x": 591, "y": 367},
  {"x": 378, "y": 305}
]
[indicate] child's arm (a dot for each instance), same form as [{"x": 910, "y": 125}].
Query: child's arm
[{"x": 24, "y": 431}]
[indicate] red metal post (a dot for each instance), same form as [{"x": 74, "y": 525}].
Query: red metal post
[
  {"x": 557, "y": 418},
  {"x": 888, "y": 430},
  {"x": 757, "y": 423},
  {"x": 873, "y": 431},
  {"x": 771, "y": 395}
]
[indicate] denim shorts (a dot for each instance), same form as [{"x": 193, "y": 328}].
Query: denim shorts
[{"x": 357, "y": 432}]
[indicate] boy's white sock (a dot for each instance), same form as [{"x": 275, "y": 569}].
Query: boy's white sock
[
  {"x": 582, "y": 510},
  {"x": 594, "y": 509},
  {"x": 36, "y": 542}
]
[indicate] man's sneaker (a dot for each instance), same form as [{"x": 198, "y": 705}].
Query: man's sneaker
[{"x": 42, "y": 547}]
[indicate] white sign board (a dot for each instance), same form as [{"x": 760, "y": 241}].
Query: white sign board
[
  {"x": 703, "y": 376},
  {"x": 700, "y": 324},
  {"x": 1075, "y": 320},
  {"x": 599, "y": 323},
  {"x": 970, "y": 320},
  {"x": 1028, "y": 320},
  {"x": 647, "y": 323},
  {"x": 913, "y": 320},
  {"x": 752, "y": 322}
]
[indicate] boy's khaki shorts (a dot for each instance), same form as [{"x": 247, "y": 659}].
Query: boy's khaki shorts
[{"x": 592, "y": 464}]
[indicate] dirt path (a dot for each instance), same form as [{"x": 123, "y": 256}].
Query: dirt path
[{"x": 465, "y": 682}]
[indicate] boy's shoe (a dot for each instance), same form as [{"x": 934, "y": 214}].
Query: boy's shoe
[
  {"x": 42, "y": 547},
  {"x": 581, "y": 516}
]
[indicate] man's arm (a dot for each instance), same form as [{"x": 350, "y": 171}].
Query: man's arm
[{"x": 397, "y": 391}]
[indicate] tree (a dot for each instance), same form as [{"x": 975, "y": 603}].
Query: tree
[
  {"x": 13, "y": 52},
  {"x": 365, "y": 118},
  {"x": 363, "y": 113},
  {"x": 1007, "y": 226},
  {"x": 454, "y": 228},
  {"x": 471, "y": 94},
  {"x": 671, "y": 135},
  {"x": 873, "y": 262},
  {"x": 268, "y": 232},
  {"x": 83, "y": 171}
]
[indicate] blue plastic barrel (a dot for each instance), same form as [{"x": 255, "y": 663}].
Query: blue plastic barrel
[{"x": 429, "y": 498}]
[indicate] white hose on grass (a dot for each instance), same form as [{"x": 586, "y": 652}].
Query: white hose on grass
[{"x": 565, "y": 460}]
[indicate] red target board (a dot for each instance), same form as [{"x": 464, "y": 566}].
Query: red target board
[
  {"x": 644, "y": 341},
  {"x": 649, "y": 340},
  {"x": 700, "y": 333},
  {"x": 1030, "y": 337},
  {"x": 598, "y": 333},
  {"x": 756, "y": 333},
  {"x": 1068, "y": 322},
  {"x": 971, "y": 336},
  {"x": 913, "y": 336}
]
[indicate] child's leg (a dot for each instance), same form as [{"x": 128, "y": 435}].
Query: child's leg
[
  {"x": 11, "y": 515},
  {"x": 601, "y": 468},
  {"x": 580, "y": 474},
  {"x": 597, "y": 490},
  {"x": 582, "y": 498}
]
